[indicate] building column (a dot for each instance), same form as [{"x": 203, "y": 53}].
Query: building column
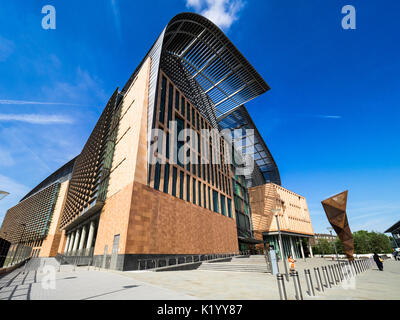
[
  {"x": 301, "y": 248},
  {"x": 292, "y": 247},
  {"x": 90, "y": 236},
  {"x": 310, "y": 248},
  {"x": 67, "y": 243},
  {"x": 71, "y": 242},
  {"x": 77, "y": 235},
  {"x": 83, "y": 238}
]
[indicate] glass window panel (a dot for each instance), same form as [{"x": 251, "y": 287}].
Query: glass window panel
[
  {"x": 166, "y": 177},
  {"x": 174, "y": 179}
]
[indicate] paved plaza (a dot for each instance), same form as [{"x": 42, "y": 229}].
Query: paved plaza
[{"x": 83, "y": 284}]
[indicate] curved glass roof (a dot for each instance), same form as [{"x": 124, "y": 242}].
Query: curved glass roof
[
  {"x": 253, "y": 144},
  {"x": 213, "y": 61}
]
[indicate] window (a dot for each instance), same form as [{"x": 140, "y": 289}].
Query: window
[
  {"x": 209, "y": 198},
  {"x": 167, "y": 147},
  {"x": 223, "y": 209},
  {"x": 204, "y": 196},
  {"x": 197, "y": 122},
  {"x": 194, "y": 190},
  {"x": 174, "y": 177},
  {"x": 199, "y": 167},
  {"x": 170, "y": 101},
  {"x": 166, "y": 177},
  {"x": 183, "y": 105},
  {"x": 180, "y": 124},
  {"x": 215, "y": 201},
  {"x": 162, "y": 102},
  {"x": 199, "y": 190},
  {"x": 188, "y": 111},
  {"x": 177, "y": 100},
  {"x": 188, "y": 188},
  {"x": 229, "y": 208},
  {"x": 157, "y": 176},
  {"x": 182, "y": 178},
  {"x": 193, "y": 118}
]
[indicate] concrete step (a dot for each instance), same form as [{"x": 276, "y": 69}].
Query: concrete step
[{"x": 233, "y": 267}]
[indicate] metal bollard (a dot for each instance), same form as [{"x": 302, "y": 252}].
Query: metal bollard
[
  {"x": 326, "y": 279},
  {"x": 355, "y": 266},
  {"x": 281, "y": 287},
  {"x": 318, "y": 278},
  {"x": 336, "y": 272},
  {"x": 331, "y": 274},
  {"x": 337, "y": 277},
  {"x": 341, "y": 278},
  {"x": 325, "y": 273},
  {"x": 297, "y": 287},
  {"x": 309, "y": 282}
]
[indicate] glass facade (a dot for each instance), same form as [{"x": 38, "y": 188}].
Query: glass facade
[{"x": 202, "y": 178}]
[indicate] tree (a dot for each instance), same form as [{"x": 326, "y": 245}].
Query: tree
[
  {"x": 323, "y": 247},
  {"x": 364, "y": 242}
]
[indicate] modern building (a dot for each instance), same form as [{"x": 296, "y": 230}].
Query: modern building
[
  {"x": 132, "y": 200},
  {"x": 165, "y": 174},
  {"x": 293, "y": 217},
  {"x": 395, "y": 231},
  {"x": 32, "y": 226}
]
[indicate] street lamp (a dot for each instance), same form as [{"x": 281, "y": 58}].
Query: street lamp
[
  {"x": 333, "y": 242},
  {"x": 275, "y": 211},
  {"x": 3, "y": 194}
]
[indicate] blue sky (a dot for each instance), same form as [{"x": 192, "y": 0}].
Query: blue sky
[{"x": 331, "y": 118}]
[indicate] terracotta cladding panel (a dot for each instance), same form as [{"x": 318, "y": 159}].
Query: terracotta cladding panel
[
  {"x": 294, "y": 216},
  {"x": 162, "y": 224}
]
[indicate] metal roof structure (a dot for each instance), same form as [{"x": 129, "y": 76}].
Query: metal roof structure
[
  {"x": 253, "y": 144},
  {"x": 213, "y": 61},
  {"x": 210, "y": 58},
  {"x": 214, "y": 75},
  {"x": 394, "y": 228}
]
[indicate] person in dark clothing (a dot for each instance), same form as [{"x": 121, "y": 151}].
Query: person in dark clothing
[{"x": 378, "y": 262}]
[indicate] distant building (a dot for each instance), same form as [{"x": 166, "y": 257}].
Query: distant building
[
  {"x": 319, "y": 236},
  {"x": 294, "y": 219},
  {"x": 395, "y": 231},
  {"x": 32, "y": 226}
]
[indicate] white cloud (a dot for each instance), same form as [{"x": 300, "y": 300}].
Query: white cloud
[
  {"x": 6, "y": 160},
  {"x": 36, "y": 118},
  {"x": 222, "y": 12},
  {"x": 117, "y": 17},
  {"x": 23, "y": 102},
  {"x": 83, "y": 90},
  {"x": 329, "y": 117},
  {"x": 6, "y": 48}
]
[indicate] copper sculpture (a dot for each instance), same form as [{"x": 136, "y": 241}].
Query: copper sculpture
[{"x": 335, "y": 209}]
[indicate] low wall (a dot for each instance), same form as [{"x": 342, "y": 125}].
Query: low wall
[{"x": 4, "y": 271}]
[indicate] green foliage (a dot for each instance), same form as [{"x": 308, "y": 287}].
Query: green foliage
[
  {"x": 364, "y": 242},
  {"x": 369, "y": 242},
  {"x": 323, "y": 247}
]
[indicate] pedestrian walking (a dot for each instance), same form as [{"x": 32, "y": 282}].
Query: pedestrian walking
[{"x": 379, "y": 262}]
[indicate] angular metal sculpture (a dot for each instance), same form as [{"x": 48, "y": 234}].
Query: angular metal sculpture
[{"x": 335, "y": 209}]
